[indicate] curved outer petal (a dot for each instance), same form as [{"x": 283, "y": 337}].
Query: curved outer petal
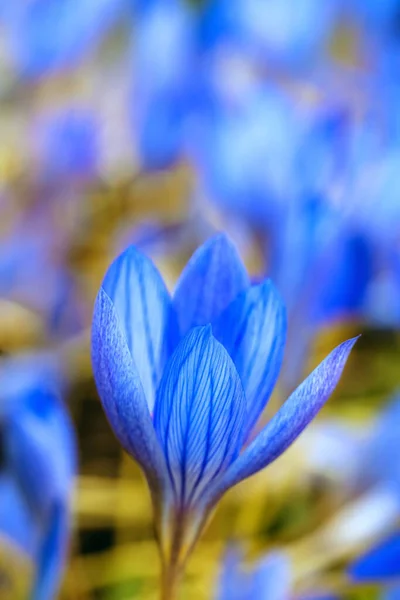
[
  {"x": 299, "y": 409},
  {"x": 253, "y": 330},
  {"x": 199, "y": 414},
  {"x": 121, "y": 391},
  {"x": 145, "y": 315},
  {"x": 381, "y": 562},
  {"x": 213, "y": 277}
]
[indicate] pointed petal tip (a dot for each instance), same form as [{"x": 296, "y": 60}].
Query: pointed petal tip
[
  {"x": 347, "y": 345},
  {"x": 292, "y": 418},
  {"x": 213, "y": 277},
  {"x": 222, "y": 240}
]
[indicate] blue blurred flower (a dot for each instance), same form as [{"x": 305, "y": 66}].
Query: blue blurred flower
[
  {"x": 164, "y": 80},
  {"x": 37, "y": 469},
  {"x": 67, "y": 143},
  {"x": 376, "y": 13},
  {"x": 30, "y": 275},
  {"x": 45, "y": 35},
  {"x": 380, "y": 563},
  {"x": 271, "y": 578},
  {"x": 184, "y": 381},
  {"x": 246, "y": 150},
  {"x": 381, "y": 452},
  {"x": 275, "y": 31}
]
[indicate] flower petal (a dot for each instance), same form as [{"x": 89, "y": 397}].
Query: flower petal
[
  {"x": 16, "y": 520},
  {"x": 213, "y": 277},
  {"x": 199, "y": 414},
  {"x": 300, "y": 408},
  {"x": 121, "y": 391},
  {"x": 253, "y": 330},
  {"x": 144, "y": 311},
  {"x": 272, "y": 578},
  {"x": 53, "y": 554},
  {"x": 381, "y": 562},
  {"x": 41, "y": 451},
  {"x": 233, "y": 583}
]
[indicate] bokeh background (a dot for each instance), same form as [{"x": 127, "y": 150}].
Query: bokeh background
[{"x": 159, "y": 123}]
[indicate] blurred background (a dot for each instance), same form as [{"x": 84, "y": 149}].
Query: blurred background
[{"x": 159, "y": 123}]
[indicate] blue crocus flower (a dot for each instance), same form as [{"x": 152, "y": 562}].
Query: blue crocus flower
[
  {"x": 37, "y": 469},
  {"x": 45, "y": 35},
  {"x": 183, "y": 381}
]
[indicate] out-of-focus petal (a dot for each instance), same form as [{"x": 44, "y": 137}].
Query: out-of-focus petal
[
  {"x": 274, "y": 30},
  {"x": 121, "y": 391},
  {"x": 41, "y": 452},
  {"x": 272, "y": 578},
  {"x": 53, "y": 555},
  {"x": 16, "y": 519},
  {"x": 391, "y": 593},
  {"x": 253, "y": 330},
  {"x": 199, "y": 414},
  {"x": 46, "y": 35},
  {"x": 232, "y": 584},
  {"x": 300, "y": 408},
  {"x": 381, "y": 562},
  {"x": 164, "y": 46},
  {"x": 144, "y": 314},
  {"x": 213, "y": 277}
]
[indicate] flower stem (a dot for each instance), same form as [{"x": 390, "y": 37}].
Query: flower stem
[
  {"x": 170, "y": 580},
  {"x": 173, "y": 565}
]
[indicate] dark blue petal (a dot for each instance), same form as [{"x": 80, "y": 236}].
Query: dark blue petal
[
  {"x": 199, "y": 414},
  {"x": 144, "y": 313},
  {"x": 53, "y": 554},
  {"x": 381, "y": 562},
  {"x": 253, "y": 330},
  {"x": 121, "y": 391},
  {"x": 213, "y": 277},
  {"x": 300, "y": 408}
]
